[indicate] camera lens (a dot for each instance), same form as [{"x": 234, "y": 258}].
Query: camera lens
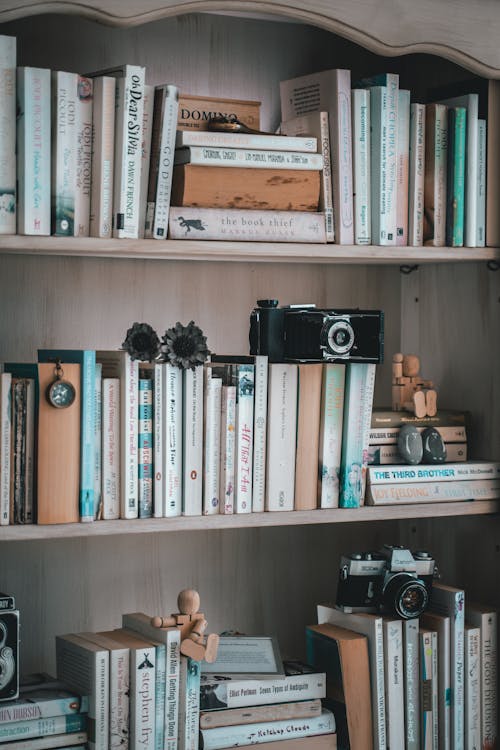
[
  {"x": 340, "y": 337},
  {"x": 405, "y": 596}
]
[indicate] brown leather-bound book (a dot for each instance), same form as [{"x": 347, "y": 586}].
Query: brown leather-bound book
[
  {"x": 58, "y": 451},
  {"x": 308, "y": 419},
  {"x": 246, "y": 187}
]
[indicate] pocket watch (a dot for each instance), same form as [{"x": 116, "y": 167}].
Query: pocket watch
[{"x": 61, "y": 393}]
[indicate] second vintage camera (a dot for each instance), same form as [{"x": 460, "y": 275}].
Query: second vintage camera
[
  {"x": 9, "y": 648},
  {"x": 306, "y": 333},
  {"x": 393, "y": 580}
]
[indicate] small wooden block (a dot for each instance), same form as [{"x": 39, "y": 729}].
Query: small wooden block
[
  {"x": 420, "y": 408},
  {"x": 431, "y": 403},
  {"x": 195, "y": 650},
  {"x": 211, "y": 648}
]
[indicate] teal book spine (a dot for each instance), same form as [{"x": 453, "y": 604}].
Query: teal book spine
[
  {"x": 42, "y": 727},
  {"x": 457, "y": 124},
  {"x": 86, "y": 359},
  {"x": 358, "y": 404}
]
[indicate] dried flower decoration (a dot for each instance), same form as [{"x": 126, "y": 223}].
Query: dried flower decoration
[
  {"x": 184, "y": 346},
  {"x": 142, "y": 342}
]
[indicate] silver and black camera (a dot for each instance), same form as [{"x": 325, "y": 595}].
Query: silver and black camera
[
  {"x": 305, "y": 333},
  {"x": 393, "y": 580},
  {"x": 9, "y": 648}
]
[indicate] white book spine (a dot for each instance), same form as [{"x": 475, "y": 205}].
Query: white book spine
[
  {"x": 471, "y": 170},
  {"x": 380, "y": 455},
  {"x": 472, "y": 693},
  {"x": 5, "y": 446},
  {"x": 142, "y": 697},
  {"x": 211, "y": 487},
  {"x": 193, "y": 441},
  {"x": 389, "y": 436},
  {"x": 417, "y": 172},
  {"x": 189, "y": 703},
  {"x": 228, "y": 448},
  {"x": 29, "y": 461},
  {"x": 103, "y": 127},
  {"x": 427, "y": 688},
  {"x": 281, "y": 435},
  {"x": 361, "y": 167},
  {"x": 129, "y": 483},
  {"x": 8, "y": 62},
  {"x": 411, "y": 683},
  {"x": 245, "y": 389},
  {"x": 210, "y": 156},
  {"x": 430, "y": 492},
  {"x": 110, "y": 448},
  {"x": 285, "y": 142},
  {"x": 64, "y": 132},
  {"x": 147, "y": 129},
  {"x": 402, "y": 172},
  {"x": 33, "y": 151},
  {"x": 448, "y": 472},
  {"x": 260, "y": 433},
  {"x": 158, "y": 451},
  {"x": 98, "y": 440},
  {"x": 83, "y": 156},
  {"x": 166, "y": 109},
  {"x": 330, "y": 439},
  {"x": 119, "y": 704},
  {"x": 394, "y": 683},
  {"x": 481, "y": 183},
  {"x": 384, "y": 115},
  {"x": 172, "y": 440},
  {"x": 128, "y": 142},
  {"x": 489, "y": 671}
]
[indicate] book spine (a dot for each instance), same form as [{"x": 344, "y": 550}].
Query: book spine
[
  {"x": 172, "y": 669},
  {"x": 411, "y": 683},
  {"x": 244, "y": 693},
  {"x": 245, "y": 389},
  {"x": 282, "y": 426},
  {"x": 211, "y": 488},
  {"x": 8, "y": 62},
  {"x": 42, "y": 727},
  {"x": 98, "y": 441},
  {"x": 341, "y": 152},
  {"x": 428, "y": 473},
  {"x": 29, "y": 461},
  {"x": 456, "y": 177},
  {"x": 326, "y": 190},
  {"x": 110, "y": 448},
  {"x": 245, "y": 734},
  {"x": 193, "y": 441},
  {"x": 243, "y": 224},
  {"x": 489, "y": 691},
  {"x": 378, "y": 455},
  {"x": 5, "y": 446},
  {"x": 472, "y": 691},
  {"x": 87, "y": 500},
  {"x": 83, "y": 156},
  {"x": 402, "y": 174},
  {"x": 18, "y": 450},
  {"x": 103, "y": 128},
  {"x": 481, "y": 183},
  {"x": 189, "y": 703},
  {"x": 417, "y": 172},
  {"x": 145, "y": 447},
  {"x": 436, "y": 155},
  {"x": 35, "y": 707},
  {"x": 471, "y": 170},
  {"x": 391, "y": 418},
  {"x": 255, "y": 714},
  {"x": 228, "y": 448},
  {"x": 64, "y": 146},
  {"x": 211, "y": 156},
  {"x": 172, "y": 440},
  {"x": 309, "y": 383},
  {"x": 160, "y": 696},
  {"x": 162, "y": 166},
  {"x": 383, "y": 116},
  {"x": 119, "y": 702},
  {"x": 129, "y": 480},
  {"x": 246, "y": 140},
  {"x": 360, "y": 101},
  {"x": 394, "y": 683},
  {"x": 426, "y": 688},
  {"x": 142, "y": 697},
  {"x": 358, "y": 403},
  {"x": 428, "y": 492},
  {"x": 260, "y": 434},
  {"x": 383, "y": 436},
  {"x": 158, "y": 449},
  {"x": 435, "y": 692},
  {"x": 128, "y": 142},
  {"x": 147, "y": 129},
  {"x": 330, "y": 439},
  {"x": 33, "y": 151}
]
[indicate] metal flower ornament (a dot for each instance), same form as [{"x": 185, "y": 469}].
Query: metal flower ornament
[
  {"x": 142, "y": 342},
  {"x": 184, "y": 346}
]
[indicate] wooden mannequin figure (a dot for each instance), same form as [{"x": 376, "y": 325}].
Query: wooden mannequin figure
[
  {"x": 409, "y": 390},
  {"x": 192, "y": 625}
]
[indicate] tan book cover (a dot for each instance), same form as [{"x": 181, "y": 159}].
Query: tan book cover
[
  {"x": 255, "y": 714},
  {"x": 195, "y": 111},
  {"x": 265, "y": 189},
  {"x": 319, "y": 742},
  {"x": 58, "y": 472},
  {"x": 308, "y": 421}
]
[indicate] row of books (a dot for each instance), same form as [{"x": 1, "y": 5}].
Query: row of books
[{"x": 432, "y": 681}]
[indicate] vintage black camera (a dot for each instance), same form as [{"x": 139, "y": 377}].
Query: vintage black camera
[
  {"x": 9, "y": 648},
  {"x": 393, "y": 580},
  {"x": 305, "y": 333}
]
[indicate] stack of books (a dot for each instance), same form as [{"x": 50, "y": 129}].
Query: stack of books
[
  {"x": 432, "y": 681},
  {"x": 46, "y": 715},
  {"x": 243, "y": 186}
]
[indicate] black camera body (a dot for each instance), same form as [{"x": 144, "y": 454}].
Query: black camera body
[
  {"x": 305, "y": 333},
  {"x": 393, "y": 580},
  {"x": 9, "y": 648}
]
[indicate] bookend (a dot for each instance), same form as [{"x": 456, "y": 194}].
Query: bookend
[{"x": 192, "y": 625}]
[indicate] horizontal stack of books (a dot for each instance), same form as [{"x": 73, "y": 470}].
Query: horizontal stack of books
[
  {"x": 428, "y": 682},
  {"x": 46, "y": 715}
]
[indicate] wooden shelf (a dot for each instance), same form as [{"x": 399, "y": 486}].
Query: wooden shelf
[
  {"x": 260, "y": 252},
  {"x": 250, "y": 520}
]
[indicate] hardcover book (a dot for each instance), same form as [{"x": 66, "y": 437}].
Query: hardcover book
[
  {"x": 8, "y": 62},
  {"x": 264, "y": 189},
  {"x": 449, "y": 472},
  {"x": 308, "y": 423},
  {"x": 328, "y": 90}
]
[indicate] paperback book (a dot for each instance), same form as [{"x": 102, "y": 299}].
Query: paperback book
[{"x": 8, "y": 62}]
